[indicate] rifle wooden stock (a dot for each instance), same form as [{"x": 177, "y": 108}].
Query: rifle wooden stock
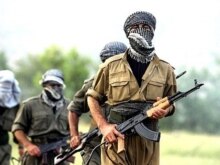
[{"x": 163, "y": 104}]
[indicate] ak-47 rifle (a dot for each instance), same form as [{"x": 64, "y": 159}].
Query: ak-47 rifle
[
  {"x": 134, "y": 123},
  {"x": 51, "y": 146}
]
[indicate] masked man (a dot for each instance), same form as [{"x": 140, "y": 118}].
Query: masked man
[
  {"x": 129, "y": 83},
  {"x": 42, "y": 120},
  {"x": 78, "y": 106},
  {"x": 9, "y": 103}
]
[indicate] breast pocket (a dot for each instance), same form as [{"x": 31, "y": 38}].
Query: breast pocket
[
  {"x": 155, "y": 89},
  {"x": 40, "y": 122},
  {"x": 63, "y": 122},
  {"x": 119, "y": 89}
]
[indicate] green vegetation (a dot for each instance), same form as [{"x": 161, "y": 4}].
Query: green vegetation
[
  {"x": 76, "y": 69},
  {"x": 187, "y": 148}
]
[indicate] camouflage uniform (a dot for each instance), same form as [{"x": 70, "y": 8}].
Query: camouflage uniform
[
  {"x": 116, "y": 81},
  {"x": 43, "y": 124}
]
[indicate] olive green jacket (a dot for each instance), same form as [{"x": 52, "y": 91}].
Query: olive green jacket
[
  {"x": 37, "y": 118},
  {"x": 116, "y": 82}
]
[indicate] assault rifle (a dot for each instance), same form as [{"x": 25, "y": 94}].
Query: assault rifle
[
  {"x": 54, "y": 145},
  {"x": 135, "y": 123}
]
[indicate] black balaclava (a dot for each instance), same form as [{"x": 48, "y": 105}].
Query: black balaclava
[{"x": 140, "y": 38}]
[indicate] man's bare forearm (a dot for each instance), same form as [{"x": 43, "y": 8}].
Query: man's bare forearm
[
  {"x": 73, "y": 120},
  {"x": 22, "y": 138},
  {"x": 96, "y": 112}
]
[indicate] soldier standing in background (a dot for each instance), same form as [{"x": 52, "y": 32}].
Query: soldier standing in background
[
  {"x": 9, "y": 104},
  {"x": 78, "y": 106},
  {"x": 42, "y": 120}
]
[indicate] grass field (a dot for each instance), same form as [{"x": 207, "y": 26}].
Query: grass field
[{"x": 182, "y": 148}]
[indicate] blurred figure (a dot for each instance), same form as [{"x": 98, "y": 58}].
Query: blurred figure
[
  {"x": 9, "y": 104},
  {"x": 78, "y": 106},
  {"x": 41, "y": 121}
]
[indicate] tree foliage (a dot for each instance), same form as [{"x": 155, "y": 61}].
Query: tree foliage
[
  {"x": 3, "y": 61},
  {"x": 76, "y": 69},
  {"x": 198, "y": 112}
]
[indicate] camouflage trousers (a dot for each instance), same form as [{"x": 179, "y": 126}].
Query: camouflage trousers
[
  {"x": 134, "y": 150},
  {"x": 5, "y": 154}
]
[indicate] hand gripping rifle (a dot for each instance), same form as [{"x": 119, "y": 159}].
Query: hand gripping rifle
[
  {"x": 134, "y": 123},
  {"x": 54, "y": 145}
]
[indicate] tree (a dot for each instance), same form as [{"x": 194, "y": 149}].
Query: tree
[
  {"x": 76, "y": 69},
  {"x": 3, "y": 61},
  {"x": 199, "y": 112}
]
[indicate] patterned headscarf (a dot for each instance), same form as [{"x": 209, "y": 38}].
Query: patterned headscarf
[
  {"x": 111, "y": 49},
  {"x": 10, "y": 91}
]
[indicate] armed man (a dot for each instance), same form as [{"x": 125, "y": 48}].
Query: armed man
[
  {"x": 41, "y": 122},
  {"x": 129, "y": 83},
  {"x": 78, "y": 106},
  {"x": 10, "y": 94}
]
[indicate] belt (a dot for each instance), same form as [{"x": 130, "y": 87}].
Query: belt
[
  {"x": 50, "y": 138},
  {"x": 117, "y": 118},
  {"x": 124, "y": 111}
]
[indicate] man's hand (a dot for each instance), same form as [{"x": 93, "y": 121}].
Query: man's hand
[
  {"x": 110, "y": 133},
  {"x": 160, "y": 113},
  {"x": 32, "y": 149},
  {"x": 75, "y": 141}
]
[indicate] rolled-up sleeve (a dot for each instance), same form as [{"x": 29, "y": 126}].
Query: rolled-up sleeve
[
  {"x": 171, "y": 88},
  {"x": 100, "y": 84},
  {"x": 21, "y": 121},
  {"x": 78, "y": 104}
]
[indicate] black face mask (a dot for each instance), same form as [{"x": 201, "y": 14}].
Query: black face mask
[{"x": 54, "y": 93}]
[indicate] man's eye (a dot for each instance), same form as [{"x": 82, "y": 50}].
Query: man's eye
[
  {"x": 55, "y": 85},
  {"x": 146, "y": 27},
  {"x": 135, "y": 27}
]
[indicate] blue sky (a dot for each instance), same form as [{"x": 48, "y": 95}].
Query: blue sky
[{"x": 187, "y": 31}]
